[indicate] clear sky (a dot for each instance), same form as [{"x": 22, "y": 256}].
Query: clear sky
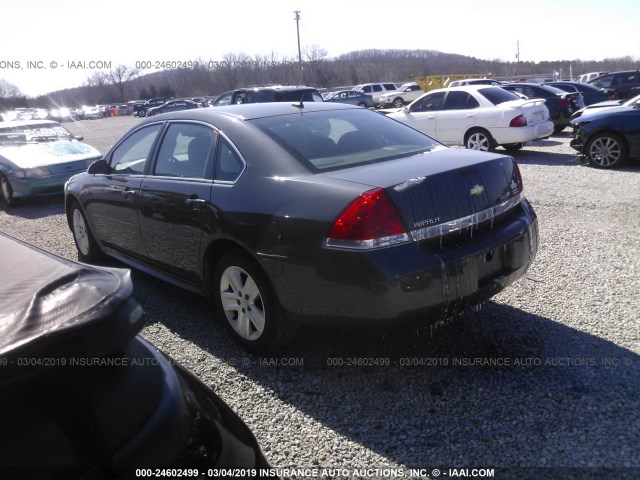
[{"x": 127, "y": 31}]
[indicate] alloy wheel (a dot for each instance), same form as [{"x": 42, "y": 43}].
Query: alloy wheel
[
  {"x": 80, "y": 233},
  {"x": 605, "y": 152},
  {"x": 479, "y": 141},
  {"x": 242, "y": 303}
]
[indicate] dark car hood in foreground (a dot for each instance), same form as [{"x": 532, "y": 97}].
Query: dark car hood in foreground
[
  {"x": 82, "y": 397},
  {"x": 50, "y": 306}
]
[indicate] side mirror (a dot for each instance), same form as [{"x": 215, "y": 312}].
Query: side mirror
[
  {"x": 406, "y": 109},
  {"x": 80, "y": 138},
  {"x": 98, "y": 167}
]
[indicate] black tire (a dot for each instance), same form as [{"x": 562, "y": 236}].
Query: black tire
[
  {"x": 7, "y": 192},
  {"x": 398, "y": 103},
  {"x": 558, "y": 128},
  {"x": 513, "y": 147},
  {"x": 606, "y": 150},
  {"x": 362, "y": 104},
  {"x": 247, "y": 304},
  {"x": 86, "y": 245},
  {"x": 479, "y": 139},
  {"x": 142, "y": 113}
]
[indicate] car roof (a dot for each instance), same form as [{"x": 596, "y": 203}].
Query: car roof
[
  {"x": 464, "y": 88},
  {"x": 249, "y": 111}
]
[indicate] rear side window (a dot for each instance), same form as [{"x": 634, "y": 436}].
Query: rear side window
[
  {"x": 133, "y": 153},
  {"x": 298, "y": 95},
  {"x": 229, "y": 165},
  {"x": 460, "y": 101}
]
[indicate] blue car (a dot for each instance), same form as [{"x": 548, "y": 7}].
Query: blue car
[
  {"x": 37, "y": 157},
  {"x": 608, "y": 137}
]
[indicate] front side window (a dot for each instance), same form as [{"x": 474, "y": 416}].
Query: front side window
[
  {"x": 185, "y": 151},
  {"x": 429, "y": 103},
  {"x": 224, "y": 99},
  {"x": 132, "y": 154},
  {"x": 603, "y": 82}
]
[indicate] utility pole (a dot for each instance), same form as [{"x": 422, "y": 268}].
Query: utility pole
[
  {"x": 518, "y": 57},
  {"x": 297, "y": 19}
]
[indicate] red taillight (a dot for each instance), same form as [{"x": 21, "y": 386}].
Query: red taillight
[
  {"x": 565, "y": 102},
  {"x": 370, "y": 221},
  {"x": 518, "y": 175},
  {"x": 519, "y": 121}
]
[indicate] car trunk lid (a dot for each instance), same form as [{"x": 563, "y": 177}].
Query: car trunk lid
[{"x": 460, "y": 191}]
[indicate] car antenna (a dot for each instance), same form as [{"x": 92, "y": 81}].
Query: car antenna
[{"x": 299, "y": 105}]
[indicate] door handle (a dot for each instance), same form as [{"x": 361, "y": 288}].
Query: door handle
[
  {"x": 129, "y": 194},
  {"x": 196, "y": 203}
]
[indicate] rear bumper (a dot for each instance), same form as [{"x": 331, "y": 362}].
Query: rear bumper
[
  {"x": 412, "y": 280},
  {"x": 523, "y": 134}
]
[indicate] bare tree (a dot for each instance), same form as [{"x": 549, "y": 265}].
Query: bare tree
[
  {"x": 314, "y": 53},
  {"x": 8, "y": 90},
  {"x": 120, "y": 76}
]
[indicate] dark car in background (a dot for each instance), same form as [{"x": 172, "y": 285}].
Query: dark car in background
[
  {"x": 141, "y": 109},
  {"x": 590, "y": 94},
  {"x": 350, "y": 97},
  {"x": 561, "y": 104},
  {"x": 277, "y": 93},
  {"x": 82, "y": 396},
  {"x": 608, "y": 138},
  {"x": 172, "y": 106},
  {"x": 320, "y": 213},
  {"x": 625, "y": 84}
]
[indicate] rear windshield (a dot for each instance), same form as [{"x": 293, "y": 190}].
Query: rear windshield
[
  {"x": 555, "y": 90},
  {"x": 336, "y": 139},
  {"x": 497, "y": 95}
]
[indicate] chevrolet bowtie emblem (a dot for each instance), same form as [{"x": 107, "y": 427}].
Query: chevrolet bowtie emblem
[{"x": 476, "y": 190}]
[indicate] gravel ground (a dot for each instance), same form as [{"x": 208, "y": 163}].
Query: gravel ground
[{"x": 546, "y": 375}]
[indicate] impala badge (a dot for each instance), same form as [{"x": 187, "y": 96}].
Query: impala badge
[{"x": 476, "y": 190}]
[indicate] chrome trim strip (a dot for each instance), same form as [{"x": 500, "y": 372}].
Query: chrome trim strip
[
  {"x": 465, "y": 222},
  {"x": 425, "y": 233}
]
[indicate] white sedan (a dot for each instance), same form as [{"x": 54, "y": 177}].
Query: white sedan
[{"x": 480, "y": 117}]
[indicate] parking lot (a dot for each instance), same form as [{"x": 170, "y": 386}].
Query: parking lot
[{"x": 547, "y": 374}]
